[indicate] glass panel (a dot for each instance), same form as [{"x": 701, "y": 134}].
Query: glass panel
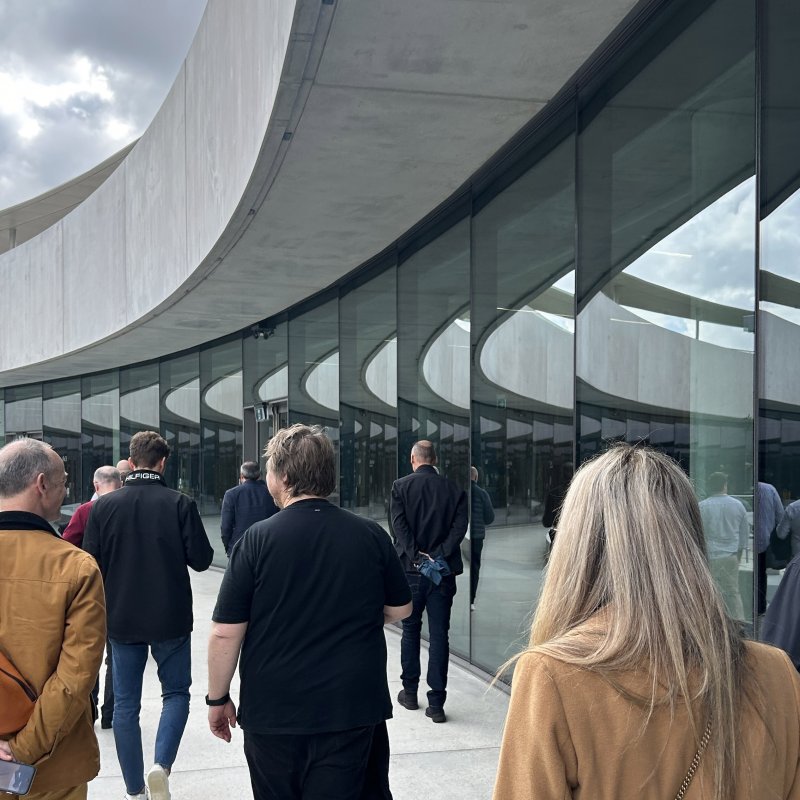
[
  {"x": 138, "y": 403},
  {"x": 179, "y": 411},
  {"x": 433, "y": 327},
  {"x": 666, "y": 264},
  {"x": 779, "y": 307},
  {"x": 522, "y": 332},
  {"x": 368, "y": 372},
  {"x": 99, "y": 426},
  {"x": 61, "y": 418},
  {"x": 221, "y": 425},
  {"x": 314, "y": 370},
  {"x": 266, "y": 386},
  {"x": 23, "y": 412}
]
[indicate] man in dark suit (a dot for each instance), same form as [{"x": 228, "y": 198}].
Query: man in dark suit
[
  {"x": 245, "y": 504},
  {"x": 429, "y": 521}
]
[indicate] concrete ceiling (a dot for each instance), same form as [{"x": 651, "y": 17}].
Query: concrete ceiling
[{"x": 386, "y": 108}]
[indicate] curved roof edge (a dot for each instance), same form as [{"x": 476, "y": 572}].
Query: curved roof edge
[
  {"x": 27, "y": 219},
  {"x": 298, "y": 140}
]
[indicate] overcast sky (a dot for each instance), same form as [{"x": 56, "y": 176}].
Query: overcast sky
[{"x": 80, "y": 79}]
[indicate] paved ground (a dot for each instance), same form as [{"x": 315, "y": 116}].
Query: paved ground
[{"x": 452, "y": 761}]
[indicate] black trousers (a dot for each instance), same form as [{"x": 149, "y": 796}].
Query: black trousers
[
  {"x": 343, "y": 765},
  {"x": 761, "y": 599},
  {"x": 475, "y": 567}
]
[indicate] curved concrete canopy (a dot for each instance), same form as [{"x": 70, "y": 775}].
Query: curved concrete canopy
[
  {"x": 298, "y": 140},
  {"x": 29, "y": 218}
]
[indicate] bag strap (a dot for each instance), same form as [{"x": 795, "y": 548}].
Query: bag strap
[{"x": 695, "y": 763}]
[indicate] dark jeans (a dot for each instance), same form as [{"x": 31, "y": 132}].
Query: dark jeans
[
  {"x": 342, "y": 765},
  {"x": 475, "y": 567},
  {"x": 437, "y": 601}
]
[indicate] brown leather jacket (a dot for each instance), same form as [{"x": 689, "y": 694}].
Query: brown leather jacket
[{"x": 53, "y": 628}]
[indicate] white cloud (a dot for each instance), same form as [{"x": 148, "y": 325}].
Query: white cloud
[
  {"x": 22, "y": 96},
  {"x": 79, "y": 80},
  {"x": 712, "y": 255}
]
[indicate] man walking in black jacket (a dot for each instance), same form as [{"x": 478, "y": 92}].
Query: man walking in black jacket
[
  {"x": 245, "y": 504},
  {"x": 429, "y": 521},
  {"x": 143, "y": 537}
]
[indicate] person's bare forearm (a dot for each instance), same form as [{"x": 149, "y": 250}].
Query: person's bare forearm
[
  {"x": 224, "y": 645},
  {"x": 396, "y": 613}
]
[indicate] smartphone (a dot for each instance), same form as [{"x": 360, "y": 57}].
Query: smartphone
[{"x": 15, "y": 777}]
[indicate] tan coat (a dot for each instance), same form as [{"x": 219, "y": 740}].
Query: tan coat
[
  {"x": 53, "y": 628},
  {"x": 570, "y": 734}
]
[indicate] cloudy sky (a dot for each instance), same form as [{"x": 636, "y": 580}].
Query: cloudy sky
[{"x": 80, "y": 79}]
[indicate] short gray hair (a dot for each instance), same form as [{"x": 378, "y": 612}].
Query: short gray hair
[
  {"x": 107, "y": 475},
  {"x": 21, "y": 461},
  {"x": 250, "y": 470},
  {"x": 424, "y": 451}
]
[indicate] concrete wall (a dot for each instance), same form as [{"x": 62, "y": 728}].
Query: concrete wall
[{"x": 142, "y": 237}]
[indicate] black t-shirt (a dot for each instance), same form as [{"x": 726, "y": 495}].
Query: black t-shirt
[{"x": 311, "y": 582}]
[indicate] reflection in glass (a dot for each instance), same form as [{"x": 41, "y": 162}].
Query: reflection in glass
[
  {"x": 522, "y": 387},
  {"x": 99, "y": 426},
  {"x": 433, "y": 330},
  {"x": 179, "y": 411},
  {"x": 61, "y": 428},
  {"x": 779, "y": 274},
  {"x": 368, "y": 395},
  {"x": 138, "y": 403},
  {"x": 221, "y": 426},
  {"x": 23, "y": 412},
  {"x": 314, "y": 370},
  {"x": 266, "y": 387},
  {"x": 664, "y": 337}
]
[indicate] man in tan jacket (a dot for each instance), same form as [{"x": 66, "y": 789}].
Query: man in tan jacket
[{"x": 52, "y": 623}]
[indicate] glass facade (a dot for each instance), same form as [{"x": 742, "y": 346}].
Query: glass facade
[{"x": 627, "y": 269}]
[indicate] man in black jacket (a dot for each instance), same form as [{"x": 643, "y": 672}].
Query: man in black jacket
[
  {"x": 143, "y": 537},
  {"x": 429, "y": 521},
  {"x": 482, "y": 514},
  {"x": 245, "y": 504}
]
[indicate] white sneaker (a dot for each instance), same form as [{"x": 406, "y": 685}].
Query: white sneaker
[
  {"x": 140, "y": 796},
  {"x": 158, "y": 783}
]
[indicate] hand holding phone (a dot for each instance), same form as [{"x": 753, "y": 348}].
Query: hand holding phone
[{"x": 15, "y": 777}]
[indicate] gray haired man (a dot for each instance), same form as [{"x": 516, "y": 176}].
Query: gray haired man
[{"x": 54, "y": 635}]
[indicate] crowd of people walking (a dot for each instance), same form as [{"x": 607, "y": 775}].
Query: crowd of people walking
[{"x": 637, "y": 679}]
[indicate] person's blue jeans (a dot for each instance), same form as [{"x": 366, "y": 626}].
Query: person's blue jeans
[
  {"x": 437, "y": 601},
  {"x": 174, "y": 660}
]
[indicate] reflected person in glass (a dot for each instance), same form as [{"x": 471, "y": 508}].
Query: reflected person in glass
[
  {"x": 727, "y": 530},
  {"x": 629, "y": 625}
]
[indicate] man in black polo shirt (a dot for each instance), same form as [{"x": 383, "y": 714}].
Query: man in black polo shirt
[{"x": 304, "y": 599}]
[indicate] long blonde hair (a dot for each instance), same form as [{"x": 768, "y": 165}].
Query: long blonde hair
[{"x": 630, "y": 543}]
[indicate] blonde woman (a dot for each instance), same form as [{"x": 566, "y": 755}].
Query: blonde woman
[{"x": 634, "y": 669}]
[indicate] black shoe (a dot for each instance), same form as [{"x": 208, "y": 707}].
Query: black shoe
[
  {"x": 436, "y": 714},
  {"x": 105, "y": 724},
  {"x": 408, "y": 700}
]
